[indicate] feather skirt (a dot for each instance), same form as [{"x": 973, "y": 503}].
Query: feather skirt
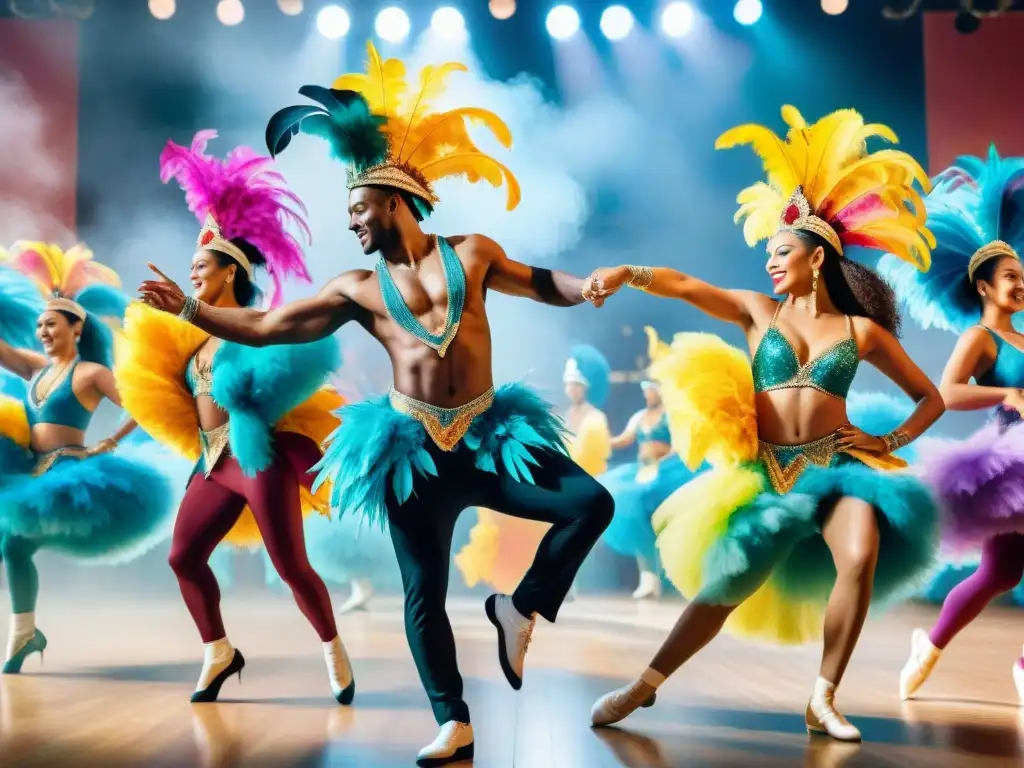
[
  {"x": 980, "y": 483},
  {"x": 727, "y": 538},
  {"x": 636, "y": 499},
  {"x": 109, "y": 508}
]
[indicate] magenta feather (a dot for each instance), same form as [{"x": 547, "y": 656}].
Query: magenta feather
[{"x": 246, "y": 199}]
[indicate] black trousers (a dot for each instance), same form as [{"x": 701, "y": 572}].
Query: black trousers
[{"x": 577, "y": 506}]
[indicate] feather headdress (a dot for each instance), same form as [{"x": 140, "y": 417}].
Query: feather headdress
[
  {"x": 587, "y": 366},
  {"x": 822, "y": 179},
  {"x": 239, "y": 197},
  {"x": 390, "y": 136},
  {"x": 976, "y": 210},
  {"x": 72, "y": 281}
]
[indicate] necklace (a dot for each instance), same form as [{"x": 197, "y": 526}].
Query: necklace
[
  {"x": 54, "y": 380},
  {"x": 455, "y": 285}
]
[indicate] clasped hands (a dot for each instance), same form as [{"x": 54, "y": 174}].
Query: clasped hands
[{"x": 604, "y": 282}]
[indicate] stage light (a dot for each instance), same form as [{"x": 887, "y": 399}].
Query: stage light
[
  {"x": 333, "y": 22},
  {"x": 563, "y": 22},
  {"x": 834, "y": 7},
  {"x": 162, "y": 9},
  {"x": 502, "y": 9},
  {"x": 616, "y": 22},
  {"x": 290, "y": 7},
  {"x": 392, "y": 25},
  {"x": 448, "y": 23},
  {"x": 747, "y": 12},
  {"x": 677, "y": 19},
  {"x": 230, "y": 13}
]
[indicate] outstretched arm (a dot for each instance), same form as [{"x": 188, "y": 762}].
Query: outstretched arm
[
  {"x": 975, "y": 353},
  {"x": 21, "y": 362},
  {"x": 299, "y": 322},
  {"x": 728, "y": 305},
  {"x": 558, "y": 289},
  {"x": 628, "y": 436},
  {"x": 102, "y": 379}
]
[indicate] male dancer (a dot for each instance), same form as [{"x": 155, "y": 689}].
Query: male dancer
[{"x": 443, "y": 439}]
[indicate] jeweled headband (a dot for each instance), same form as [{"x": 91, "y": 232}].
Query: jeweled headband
[
  {"x": 210, "y": 239},
  {"x": 797, "y": 215},
  {"x": 993, "y": 250},
  {"x": 63, "y": 304}
]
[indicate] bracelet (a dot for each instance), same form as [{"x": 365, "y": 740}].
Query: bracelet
[
  {"x": 896, "y": 440},
  {"x": 639, "y": 277},
  {"x": 189, "y": 309}
]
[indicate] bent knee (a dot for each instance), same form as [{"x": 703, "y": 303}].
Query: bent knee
[
  {"x": 184, "y": 560},
  {"x": 598, "y": 507}
]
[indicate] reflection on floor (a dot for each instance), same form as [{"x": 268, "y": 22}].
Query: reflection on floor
[{"x": 115, "y": 684}]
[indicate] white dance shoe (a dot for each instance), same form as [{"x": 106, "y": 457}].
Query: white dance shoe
[
  {"x": 453, "y": 743},
  {"x": 339, "y": 670},
  {"x": 362, "y": 591},
  {"x": 649, "y": 587},
  {"x": 620, "y": 704},
  {"x": 823, "y": 719},
  {"x": 923, "y": 657},
  {"x": 514, "y": 634}
]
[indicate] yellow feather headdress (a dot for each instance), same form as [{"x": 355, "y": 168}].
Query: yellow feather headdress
[
  {"x": 60, "y": 275},
  {"x": 823, "y": 179},
  {"x": 391, "y": 136}
]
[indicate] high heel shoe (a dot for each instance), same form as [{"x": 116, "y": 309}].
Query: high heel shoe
[
  {"x": 36, "y": 644},
  {"x": 212, "y": 691}
]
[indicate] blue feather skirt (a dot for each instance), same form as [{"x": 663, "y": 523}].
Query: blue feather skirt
[
  {"x": 108, "y": 509},
  {"x": 378, "y": 450},
  {"x": 636, "y": 498}
]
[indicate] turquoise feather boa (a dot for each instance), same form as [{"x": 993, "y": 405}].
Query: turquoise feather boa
[{"x": 376, "y": 448}]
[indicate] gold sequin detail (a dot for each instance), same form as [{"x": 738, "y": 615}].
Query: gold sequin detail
[
  {"x": 446, "y": 426},
  {"x": 202, "y": 378},
  {"x": 215, "y": 443},
  {"x": 785, "y": 463},
  {"x": 47, "y": 460}
]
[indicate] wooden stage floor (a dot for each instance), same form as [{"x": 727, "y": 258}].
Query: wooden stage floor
[{"x": 114, "y": 692}]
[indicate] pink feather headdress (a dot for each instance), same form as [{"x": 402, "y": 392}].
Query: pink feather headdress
[{"x": 238, "y": 197}]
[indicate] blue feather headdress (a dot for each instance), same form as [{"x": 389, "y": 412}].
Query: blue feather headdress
[
  {"x": 589, "y": 367},
  {"x": 976, "y": 212}
]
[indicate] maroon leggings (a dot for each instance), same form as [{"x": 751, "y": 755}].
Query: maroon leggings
[{"x": 211, "y": 507}]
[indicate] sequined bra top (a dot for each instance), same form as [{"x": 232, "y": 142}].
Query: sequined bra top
[
  {"x": 61, "y": 406},
  {"x": 656, "y": 433},
  {"x": 1008, "y": 369},
  {"x": 199, "y": 378},
  {"x": 776, "y": 366}
]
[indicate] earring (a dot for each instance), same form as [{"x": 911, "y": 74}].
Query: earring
[{"x": 814, "y": 293}]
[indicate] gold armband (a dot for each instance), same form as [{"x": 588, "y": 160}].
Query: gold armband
[
  {"x": 896, "y": 440},
  {"x": 639, "y": 277}
]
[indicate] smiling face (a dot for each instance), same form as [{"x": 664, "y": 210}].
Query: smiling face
[
  {"x": 791, "y": 264},
  {"x": 57, "y": 333},
  {"x": 371, "y": 215},
  {"x": 1005, "y": 286},
  {"x": 209, "y": 279}
]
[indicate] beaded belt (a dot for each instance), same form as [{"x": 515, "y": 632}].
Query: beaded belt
[
  {"x": 214, "y": 444},
  {"x": 446, "y": 426},
  {"x": 46, "y": 461},
  {"x": 785, "y": 463}
]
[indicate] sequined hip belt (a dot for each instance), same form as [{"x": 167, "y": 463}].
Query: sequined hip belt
[
  {"x": 214, "y": 444},
  {"x": 45, "y": 461},
  {"x": 446, "y": 426},
  {"x": 785, "y": 463}
]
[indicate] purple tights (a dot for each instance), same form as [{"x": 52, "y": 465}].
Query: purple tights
[{"x": 1000, "y": 570}]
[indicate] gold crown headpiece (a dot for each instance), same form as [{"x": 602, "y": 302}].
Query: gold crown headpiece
[
  {"x": 210, "y": 239},
  {"x": 993, "y": 250},
  {"x": 821, "y": 178}
]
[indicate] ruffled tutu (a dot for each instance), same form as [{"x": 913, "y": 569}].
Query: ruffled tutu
[
  {"x": 980, "y": 483},
  {"x": 630, "y": 532},
  {"x": 108, "y": 508}
]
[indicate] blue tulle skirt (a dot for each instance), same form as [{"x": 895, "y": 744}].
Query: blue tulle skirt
[
  {"x": 630, "y": 532},
  {"x": 108, "y": 508}
]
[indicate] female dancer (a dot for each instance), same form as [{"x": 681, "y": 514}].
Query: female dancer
[
  {"x": 640, "y": 487},
  {"x": 106, "y": 503},
  {"x": 975, "y": 288},
  {"x": 795, "y": 516},
  {"x": 501, "y": 547},
  {"x": 254, "y": 418}
]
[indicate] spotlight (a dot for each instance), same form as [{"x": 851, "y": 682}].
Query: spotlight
[
  {"x": 290, "y": 7},
  {"x": 616, "y": 22},
  {"x": 333, "y": 22},
  {"x": 747, "y": 12},
  {"x": 162, "y": 9},
  {"x": 448, "y": 23},
  {"x": 230, "y": 12},
  {"x": 834, "y": 7},
  {"x": 502, "y": 9},
  {"x": 966, "y": 23},
  {"x": 677, "y": 19},
  {"x": 563, "y": 22},
  {"x": 392, "y": 25}
]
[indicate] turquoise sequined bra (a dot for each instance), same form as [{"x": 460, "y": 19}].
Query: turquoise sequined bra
[
  {"x": 1008, "y": 369},
  {"x": 776, "y": 366},
  {"x": 61, "y": 405}
]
